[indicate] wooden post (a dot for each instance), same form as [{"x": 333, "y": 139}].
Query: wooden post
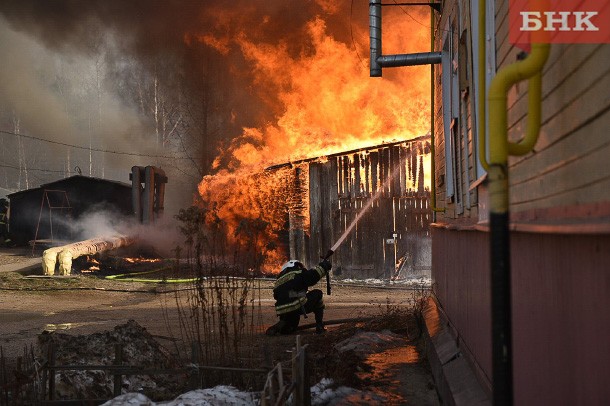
[
  {"x": 296, "y": 378},
  {"x": 118, "y": 377},
  {"x": 306, "y": 392},
  {"x": 316, "y": 221}
]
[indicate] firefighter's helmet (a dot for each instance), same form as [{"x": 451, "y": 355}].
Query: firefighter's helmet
[{"x": 293, "y": 263}]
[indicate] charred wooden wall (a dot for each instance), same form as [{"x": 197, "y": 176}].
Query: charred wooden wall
[{"x": 388, "y": 182}]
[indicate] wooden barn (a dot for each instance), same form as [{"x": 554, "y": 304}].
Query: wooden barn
[
  {"x": 45, "y": 212},
  {"x": 521, "y": 236},
  {"x": 385, "y": 183}
]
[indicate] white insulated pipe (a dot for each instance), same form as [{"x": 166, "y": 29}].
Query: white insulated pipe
[
  {"x": 49, "y": 259},
  {"x": 65, "y": 254}
]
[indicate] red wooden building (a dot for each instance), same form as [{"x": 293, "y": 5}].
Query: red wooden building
[{"x": 556, "y": 271}]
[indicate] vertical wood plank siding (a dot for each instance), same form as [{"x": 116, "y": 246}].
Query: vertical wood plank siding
[
  {"x": 561, "y": 328},
  {"x": 464, "y": 291},
  {"x": 344, "y": 185},
  {"x": 560, "y": 286}
]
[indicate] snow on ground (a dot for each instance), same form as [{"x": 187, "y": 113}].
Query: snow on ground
[
  {"x": 322, "y": 394},
  {"x": 366, "y": 342},
  {"x": 422, "y": 282}
]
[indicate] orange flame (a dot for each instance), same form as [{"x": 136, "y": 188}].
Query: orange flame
[
  {"x": 325, "y": 103},
  {"x": 141, "y": 260}
]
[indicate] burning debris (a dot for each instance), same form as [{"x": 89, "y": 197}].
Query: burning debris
[{"x": 65, "y": 254}]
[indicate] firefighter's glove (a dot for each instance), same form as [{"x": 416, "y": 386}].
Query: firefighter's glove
[{"x": 326, "y": 265}]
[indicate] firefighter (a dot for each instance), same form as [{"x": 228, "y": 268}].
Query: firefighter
[{"x": 293, "y": 300}]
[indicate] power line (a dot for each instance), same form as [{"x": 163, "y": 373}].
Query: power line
[
  {"x": 107, "y": 151},
  {"x": 35, "y": 169},
  {"x": 351, "y": 29}
]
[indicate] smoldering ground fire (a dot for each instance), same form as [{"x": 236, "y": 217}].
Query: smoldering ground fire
[{"x": 245, "y": 85}]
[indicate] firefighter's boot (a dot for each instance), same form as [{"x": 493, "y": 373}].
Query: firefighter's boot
[
  {"x": 319, "y": 313},
  {"x": 276, "y": 329}
]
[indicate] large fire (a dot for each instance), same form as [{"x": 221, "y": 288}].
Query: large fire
[{"x": 324, "y": 101}]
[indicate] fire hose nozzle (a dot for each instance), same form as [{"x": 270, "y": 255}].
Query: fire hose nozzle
[{"x": 328, "y": 255}]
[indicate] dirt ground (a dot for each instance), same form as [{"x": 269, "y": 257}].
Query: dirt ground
[{"x": 83, "y": 305}]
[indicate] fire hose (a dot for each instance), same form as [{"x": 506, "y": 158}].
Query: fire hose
[{"x": 328, "y": 255}]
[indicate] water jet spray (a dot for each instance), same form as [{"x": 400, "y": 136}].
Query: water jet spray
[{"x": 362, "y": 212}]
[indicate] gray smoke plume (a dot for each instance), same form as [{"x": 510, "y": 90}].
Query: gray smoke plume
[{"x": 136, "y": 76}]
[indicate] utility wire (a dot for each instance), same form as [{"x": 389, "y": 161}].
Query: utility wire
[
  {"x": 92, "y": 149},
  {"x": 400, "y": 6},
  {"x": 351, "y": 30},
  {"x": 35, "y": 169}
]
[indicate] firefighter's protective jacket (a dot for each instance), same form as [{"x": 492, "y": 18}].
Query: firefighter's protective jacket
[{"x": 290, "y": 288}]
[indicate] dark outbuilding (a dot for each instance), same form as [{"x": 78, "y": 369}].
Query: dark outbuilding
[{"x": 47, "y": 211}]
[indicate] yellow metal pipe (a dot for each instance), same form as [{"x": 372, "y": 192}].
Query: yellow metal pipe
[
  {"x": 534, "y": 115},
  {"x": 501, "y": 83},
  {"x": 499, "y": 148},
  {"x": 482, "y": 84},
  {"x": 432, "y": 113}
]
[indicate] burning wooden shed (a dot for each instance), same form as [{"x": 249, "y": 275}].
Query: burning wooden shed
[
  {"x": 43, "y": 212},
  {"x": 388, "y": 182}
]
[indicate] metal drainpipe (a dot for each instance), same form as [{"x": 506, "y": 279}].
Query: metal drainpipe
[{"x": 379, "y": 61}]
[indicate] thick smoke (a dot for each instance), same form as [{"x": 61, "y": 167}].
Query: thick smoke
[
  {"x": 231, "y": 85},
  {"x": 193, "y": 51}
]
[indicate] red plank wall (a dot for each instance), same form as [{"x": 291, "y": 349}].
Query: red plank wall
[{"x": 561, "y": 310}]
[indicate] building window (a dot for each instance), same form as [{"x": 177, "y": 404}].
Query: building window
[
  {"x": 490, "y": 70},
  {"x": 451, "y": 113}
]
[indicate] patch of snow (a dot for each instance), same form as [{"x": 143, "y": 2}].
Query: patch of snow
[
  {"x": 407, "y": 282},
  {"x": 365, "y": 342},
  {"x": 136, "y": 399},
  {"x": 322, "y": 394},
  {"x": 218, "y": 395}
]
